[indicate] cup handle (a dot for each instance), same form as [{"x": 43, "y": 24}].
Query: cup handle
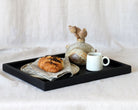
[{"x": 108, "y": 61}]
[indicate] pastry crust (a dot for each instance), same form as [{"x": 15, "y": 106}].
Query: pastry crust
[{"x": 51, "y": 64}]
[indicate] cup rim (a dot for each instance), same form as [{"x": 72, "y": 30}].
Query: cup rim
[{"x": 94, "y": 54}]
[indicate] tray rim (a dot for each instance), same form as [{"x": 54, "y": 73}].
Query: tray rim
[{"x": 43, "y": 84}]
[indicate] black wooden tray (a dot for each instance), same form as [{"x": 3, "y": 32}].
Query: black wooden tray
[{"x": 115, "y": 68}]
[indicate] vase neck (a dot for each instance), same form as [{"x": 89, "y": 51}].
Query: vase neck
[{"x": 80, "y": 40}]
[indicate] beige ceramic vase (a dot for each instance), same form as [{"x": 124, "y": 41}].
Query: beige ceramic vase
[{"x": 77, "y": 52}]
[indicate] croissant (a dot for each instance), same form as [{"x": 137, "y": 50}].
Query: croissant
[{"x": 51, "y": 64}]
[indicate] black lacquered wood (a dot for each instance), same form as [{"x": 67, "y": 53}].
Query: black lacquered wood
[{"x": 114, "y": 69}]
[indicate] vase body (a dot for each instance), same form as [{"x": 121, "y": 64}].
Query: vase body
[{"x": 77, "y": 52}]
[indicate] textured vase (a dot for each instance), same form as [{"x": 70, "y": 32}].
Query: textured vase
[{"x": 78, "y": 51}]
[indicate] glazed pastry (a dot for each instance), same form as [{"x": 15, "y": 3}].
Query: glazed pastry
[{"x": 51, "y": 64}]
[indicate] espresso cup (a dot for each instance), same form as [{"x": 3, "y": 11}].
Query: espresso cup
[{"x": 95, "y": 61}]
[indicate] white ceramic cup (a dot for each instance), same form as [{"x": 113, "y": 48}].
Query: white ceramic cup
[{"x": 95, "y": 61}]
